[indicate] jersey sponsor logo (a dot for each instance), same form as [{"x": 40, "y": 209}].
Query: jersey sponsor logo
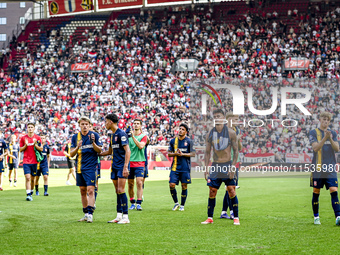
[
  {"x": 44, "y": 153},
  {"x": 327, "y": 142},
  {"x": 182, "y": 149},
  {"x": 123, "y": 138},
  {"x": 114, "y": 146},
  {"x": 86, "y": 146},
  {"x": 30, "y": 144}
]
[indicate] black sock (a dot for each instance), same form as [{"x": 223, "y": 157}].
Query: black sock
[
  {"x": 335, "y": 203},
  {"x": 315, "y": 204},
  {"x": 85, "y": 210},
  {"x": 123, "y": 202},
  {"x": 174, "y": 194},
  {"x": 132, "y": 200},
  {"x": 10, "y": 180},
  {"x": 15, "y": 180},
  {"x": 45, "y": 188},
  {"x": 225, "y": 202},
  {"x": 234, "y": 204},
  {"x": 95, "y": 193},
  {"x": 119, "y": 205},
  {"x": 90, "y": 209},
  {"x": 139, "y": 202},
  {"x": 184, "y": 196},
  {"x": 36, "y": 188},
  {"x": 211, "y": 206}
]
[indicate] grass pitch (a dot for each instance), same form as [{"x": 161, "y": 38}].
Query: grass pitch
[{"x": 275, "y": 215}]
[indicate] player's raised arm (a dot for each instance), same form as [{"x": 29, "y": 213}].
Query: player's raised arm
[
  {"x": 140, "y": 144},
  {"x": 23, "y": 144},
  {"x": 75, "y": 147},
  {"x": 171, "y": 150},
  {"x": 334, "y": 141},
  {"x": 36, "y": 145},
  {"x": 316, "y": 146},
  {"x": 95, "y": 142}
]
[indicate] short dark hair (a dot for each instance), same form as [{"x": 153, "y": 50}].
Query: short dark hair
[
  {"x": 113, "y": 117},
  {"x": 140, "y": 121},
  {"x": 30, "y": 123},
  {"x": 185, "y": 126},
  {"x": 218, "y": 110}
]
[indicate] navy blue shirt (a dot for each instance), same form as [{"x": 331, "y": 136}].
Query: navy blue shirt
[
  {"x": 13, "y": 150},
  {"x": 45, "y": 152},
  {"x": 327, "y": 152},
  {"x": 117, "y": 142},
  {"x": 87, "y": 157},
  {"x": 181, "y": 164}
]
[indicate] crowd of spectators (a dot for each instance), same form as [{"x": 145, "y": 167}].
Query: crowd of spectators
[{"x": 131, "y": 62}]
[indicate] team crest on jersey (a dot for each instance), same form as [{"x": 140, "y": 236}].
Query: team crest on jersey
[
  {"x": 0, "y": 144},
  {"x": 116, "y": 139},
  {"x": 185, "y": 143}
]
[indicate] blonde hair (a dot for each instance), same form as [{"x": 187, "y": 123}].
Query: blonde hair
[
  {"x": 84, "y": 118},
  {"x": 326, "y": 114}
]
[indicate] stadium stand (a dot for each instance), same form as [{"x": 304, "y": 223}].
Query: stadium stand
[{"x": 131, "y": 53}]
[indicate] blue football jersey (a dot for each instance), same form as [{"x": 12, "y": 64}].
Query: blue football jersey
[
  {"x": 181, "y": 164},
  {"x": 117, "y": 142},
  {"x": 45, "y": 152},
  {"x": 87, "y": 157},
  {"x": 326, "y": 156},
  {"x": 13, "y": 150}
]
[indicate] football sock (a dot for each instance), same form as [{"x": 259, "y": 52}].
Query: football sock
[
  {"x": 10, "y": 180},
  {"x": 139, "y": 201},
  {"x": 315, "y": 204},
  {"x": 174, "y": 194},
  {"x": 45, "y": 188},
  {"x": 95, "y": 193},
  {"x": 225, "y": 202},
  {"x": 90, "y": 209},
  {"x": 28, "y": 192},
  {"x": 36, "y": 187},
  {"x": 184, "y": 196},
  {"x": 132, "y": 200},
  {"x": 123, "y": 202},
  {"x": 335, "y": 203},
  {"x": 85, "y": 210},
  {"x": 119, "y": 204},
  {"x": 211, "y": 206},
  {"x": 234, "y": 204}
]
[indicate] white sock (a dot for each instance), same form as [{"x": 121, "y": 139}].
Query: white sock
[
  {"x": 119, "y": 215},
  {"x": 223, "y": 212},
  {"x": 231, "y": 211},
  {"x": 318, "y": 217},
  {"x": 236, "y": 218},
  {"x": 210, "y": 218},
  {"x": 28, "y": 192},
  {"x": 125, "y": 216}
]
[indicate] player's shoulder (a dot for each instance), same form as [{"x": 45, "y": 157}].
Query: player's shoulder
[{"x": 312, "y": 132}]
